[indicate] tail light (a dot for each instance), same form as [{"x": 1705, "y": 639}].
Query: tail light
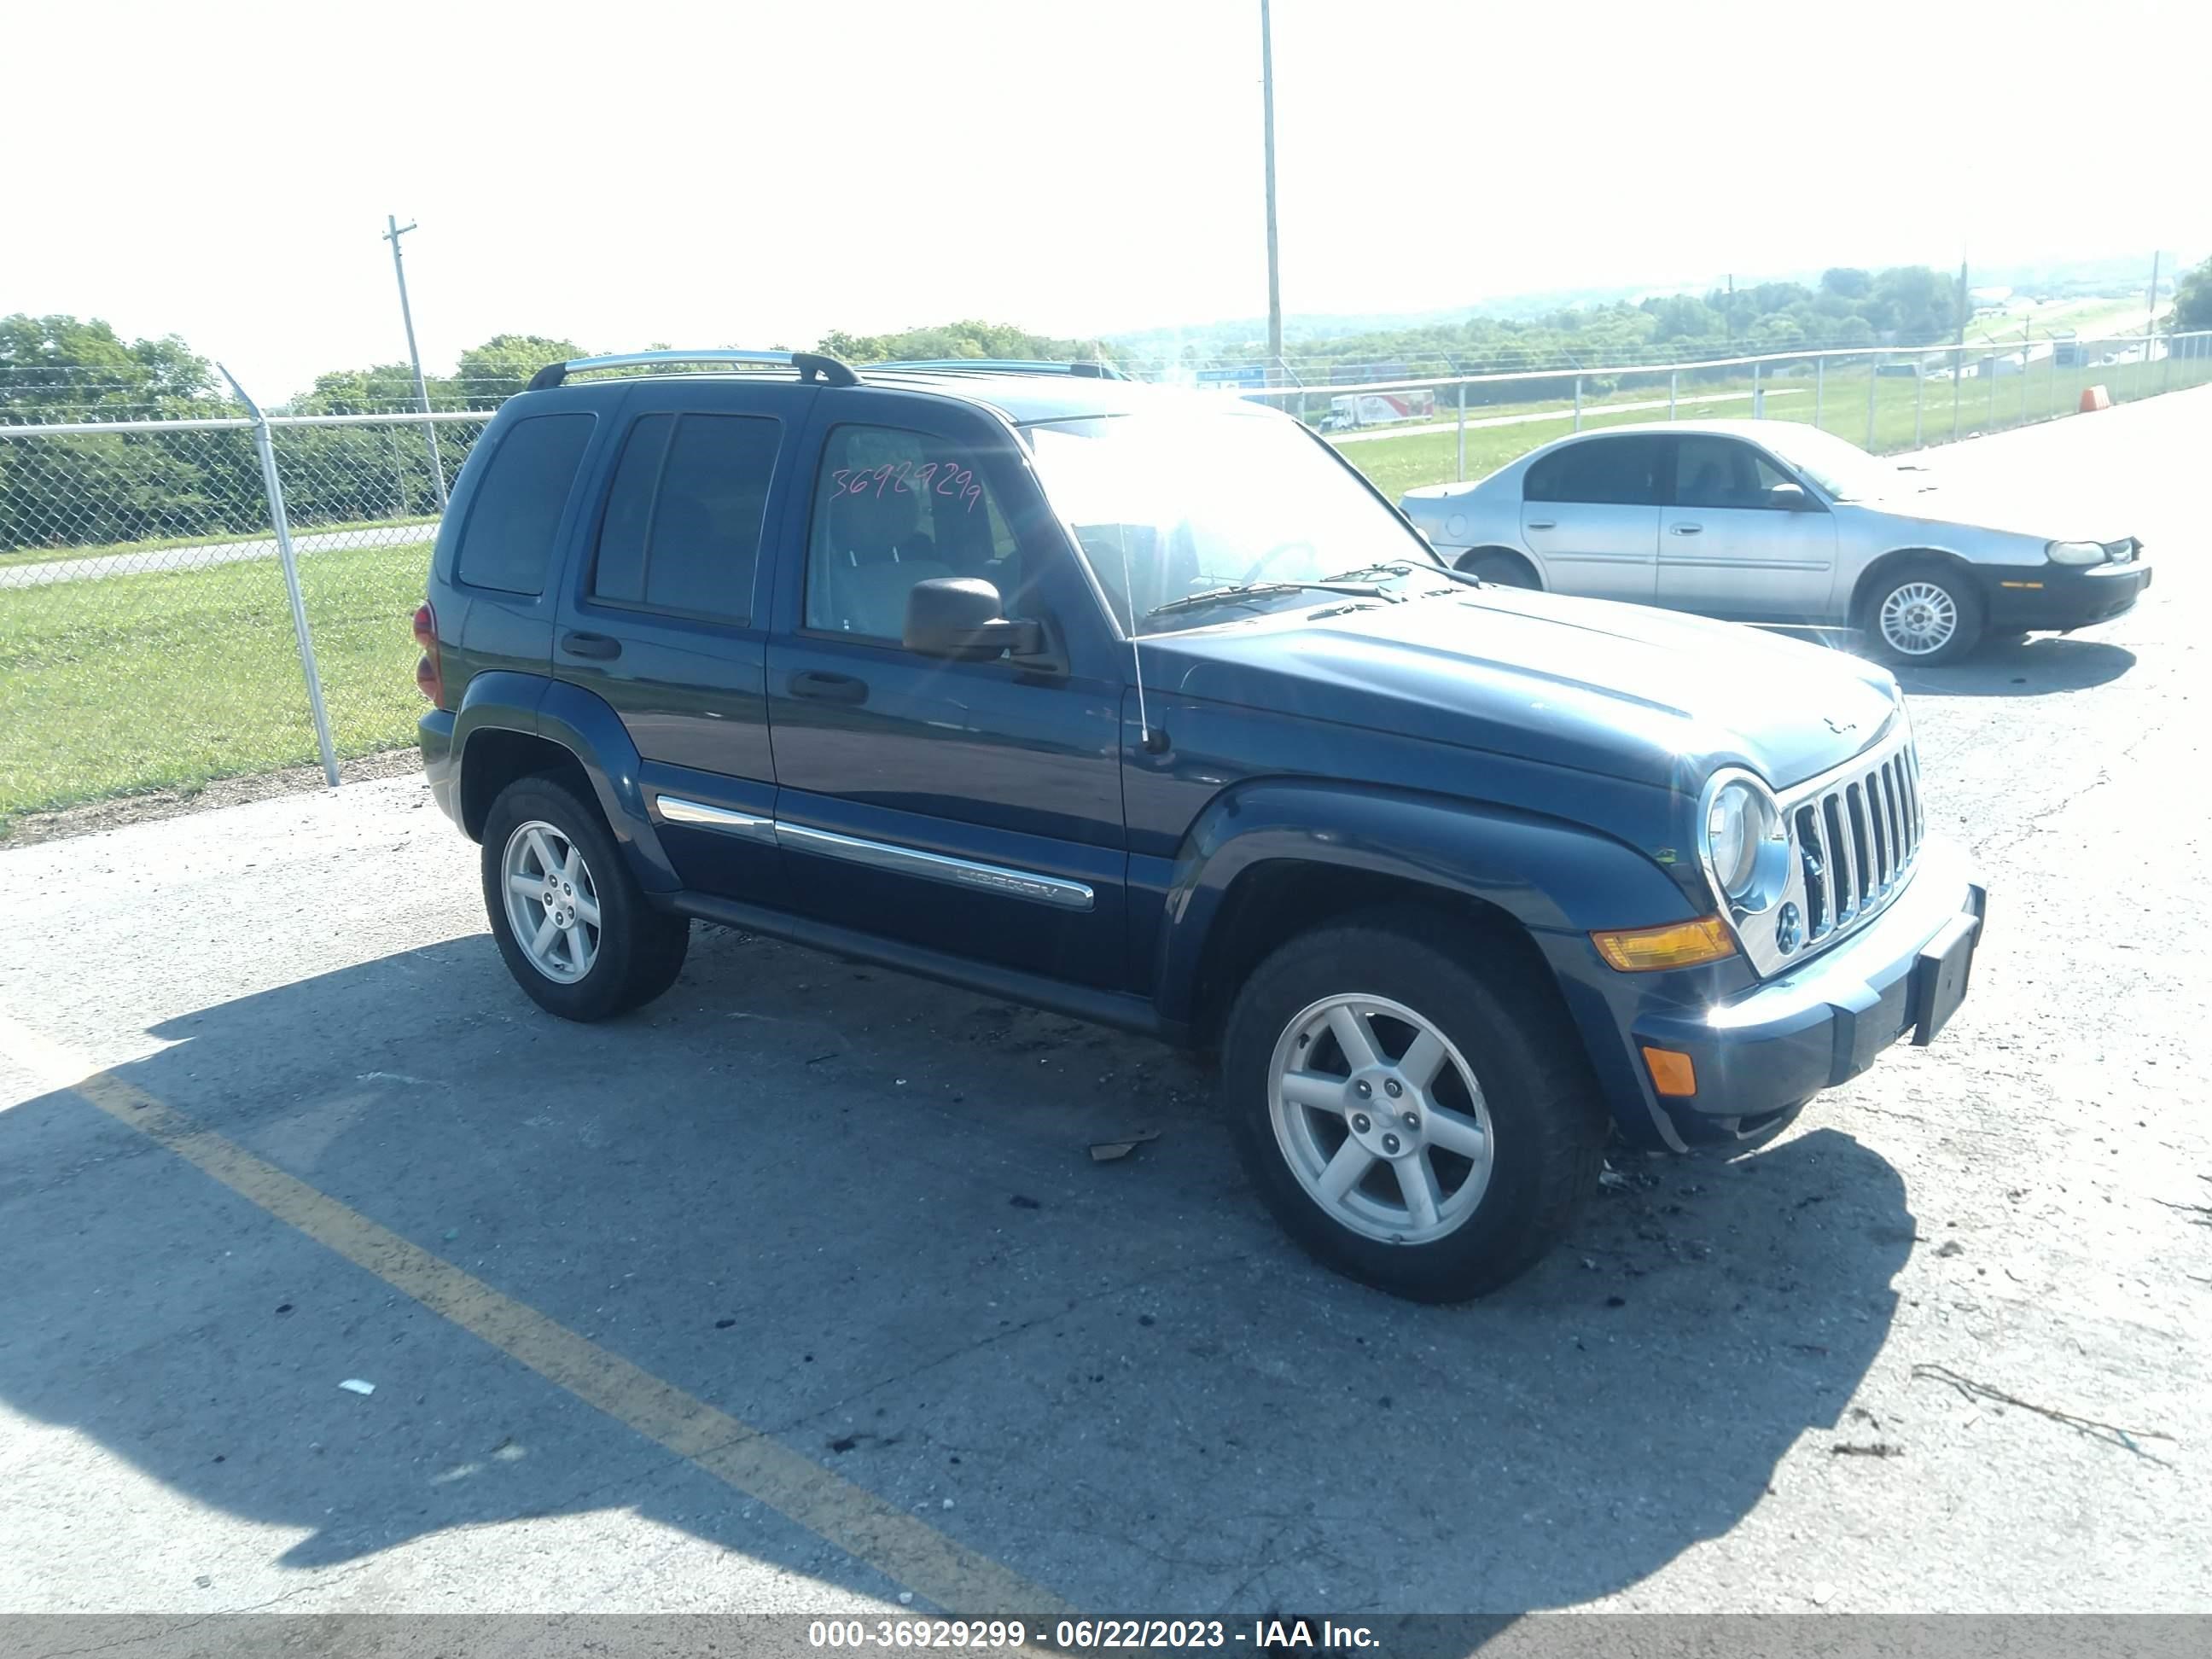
[{"x": 430, "y": 675}]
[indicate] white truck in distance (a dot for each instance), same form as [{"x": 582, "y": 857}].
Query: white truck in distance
[{"x": 1360, "y": 409}]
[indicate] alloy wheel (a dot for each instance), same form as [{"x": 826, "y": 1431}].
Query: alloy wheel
[
  {"x": 552, "y": 902},
  {"x": 1380, "y": 1118}
]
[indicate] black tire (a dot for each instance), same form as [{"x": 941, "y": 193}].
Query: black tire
[
  {"x": 640, "y": 950},
  {"x": 1501, "y": 568},
  {"x": 1547, "y": 1119},
  {"x": 1965, "y": 598}
]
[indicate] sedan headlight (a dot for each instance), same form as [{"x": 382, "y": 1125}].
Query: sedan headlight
[
  {"x": 1744, "y": 844},
  {"x": 2075, "y": 552}
]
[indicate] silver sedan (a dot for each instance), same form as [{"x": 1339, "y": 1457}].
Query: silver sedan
[{"x": 1772, "y": 521}]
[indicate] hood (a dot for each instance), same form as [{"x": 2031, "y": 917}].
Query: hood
[
  {"x": 1619, "y": 690},
  {"x": 2043, "y": 516}
]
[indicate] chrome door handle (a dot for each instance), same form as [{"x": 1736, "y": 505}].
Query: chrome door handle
[
  {"x": 1688, "y": 529},
  {"x": 1543, "y": 524}
]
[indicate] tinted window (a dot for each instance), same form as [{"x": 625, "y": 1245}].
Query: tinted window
[
  {"x": 518, "y": 506},
  {"x": 892, "y": 508},
  {"x": 1722, "y": 472},
  {"x": 1610, "y": 471},
  {"x": 683, "y": 525},
  {"x": 619, "y": 573}
]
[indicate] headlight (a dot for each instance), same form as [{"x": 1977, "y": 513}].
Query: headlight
[
  {"x": 1744, "y": 844},
  {"x": 2075, "y": 552}
]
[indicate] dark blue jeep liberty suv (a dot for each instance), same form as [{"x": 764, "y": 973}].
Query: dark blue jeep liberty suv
[{"x": 1142, "y": 706}]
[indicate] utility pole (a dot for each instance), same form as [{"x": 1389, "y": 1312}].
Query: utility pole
[
  {"x": 2150, "y": 310},
  {"x": 1958, "y": 357},
  {"x": 395, "y": 230},
  {"x": 1274, "y": 268}
]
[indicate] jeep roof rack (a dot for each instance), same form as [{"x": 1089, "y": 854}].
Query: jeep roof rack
[
  {"x": 1000, "y": 366},
  {"x": 811, "y": 365}
]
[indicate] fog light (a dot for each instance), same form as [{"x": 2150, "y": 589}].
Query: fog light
[
  {"x": 1787, "y": 929},
  {"x": 1671, "y": 1073}
]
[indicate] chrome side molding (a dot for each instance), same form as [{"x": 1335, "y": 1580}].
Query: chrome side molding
[
  {"x": 936, "y": 867},
  {"x": 677, "y": 810},
  {"x": 998, "y": 878}
]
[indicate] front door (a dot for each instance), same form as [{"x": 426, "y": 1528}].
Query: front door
[
  {"x": 971, "y": 806},
  {"x": 1589, "y": 512},
  {"x": 1741, "y": 538},
  {"x": 664, "y": 617}
]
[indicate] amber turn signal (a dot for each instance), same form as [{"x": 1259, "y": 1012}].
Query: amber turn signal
[
  {"x": 1671, "y": 1073},
  {"x": 1678, "y": 945}
]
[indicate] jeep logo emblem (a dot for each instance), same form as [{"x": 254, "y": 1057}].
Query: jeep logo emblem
[{"x": 1840, "y": 727}]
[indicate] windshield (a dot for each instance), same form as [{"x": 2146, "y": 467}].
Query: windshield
[
  {"x": 1840, "y": 467},
  {"x": 1165, "y": 506}
]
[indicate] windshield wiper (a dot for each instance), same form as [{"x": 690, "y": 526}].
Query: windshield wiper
[
  {"x": 1253, "y": 590},
  {"x": 1406, "y": 568}
]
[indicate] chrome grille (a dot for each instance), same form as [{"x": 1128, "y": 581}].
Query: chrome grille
[{"x": 1856, "y": 831}]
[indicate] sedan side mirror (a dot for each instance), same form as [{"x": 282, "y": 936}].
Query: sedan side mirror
[
  {"x": 958, "y": 617},
  {"x": 1792, "y": 498}
]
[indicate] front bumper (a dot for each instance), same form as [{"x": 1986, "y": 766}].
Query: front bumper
[
  {"x": 2062, "y": 595},
  {"x": 1761, "y": 1054}
]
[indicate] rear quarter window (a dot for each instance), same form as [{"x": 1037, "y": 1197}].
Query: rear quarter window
[{"x": 507, "y": 541}]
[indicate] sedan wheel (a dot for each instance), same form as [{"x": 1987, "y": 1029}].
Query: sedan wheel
[
  {"x": 1919, "y": 619},
  {"x": 1923, "y": 616}
]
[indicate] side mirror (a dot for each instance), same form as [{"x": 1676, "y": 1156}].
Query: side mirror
[
  {"x": 1792, "y": 498},
  {"x": 958, "y": 617}
]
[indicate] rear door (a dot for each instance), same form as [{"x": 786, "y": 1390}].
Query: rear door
[
  {"x": 972, "y": 807},
  {"x": 1590, "y": 510},
  {"x": 1741, "y": 538},
  {"x": 664, "y": 616}
]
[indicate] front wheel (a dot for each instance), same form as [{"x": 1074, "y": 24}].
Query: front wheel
[
  {"x": 1415, "y": 1117},
  {"x": 1921, "y": 616},
  {"x": 573, "y": 924}
]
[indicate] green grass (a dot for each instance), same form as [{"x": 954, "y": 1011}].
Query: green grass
[
  {"x": 168, "y": 679},
  {"x": 159, "y": 544}
]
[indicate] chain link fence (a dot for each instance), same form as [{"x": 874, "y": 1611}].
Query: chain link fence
[{"x": 147, "y": 639}]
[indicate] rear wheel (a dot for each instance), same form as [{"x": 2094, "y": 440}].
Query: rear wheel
[
  {"x": 1413, "y": 1118},
  {"x": 573, "y": 924},
  {"x": 1922, "y": 614},
  {"x": 1500, "y": 568}
]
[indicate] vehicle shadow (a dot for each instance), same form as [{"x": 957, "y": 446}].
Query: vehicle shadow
[
  {"x": 856, "y": 1212},
  {"x": 2038, "y": 666}
]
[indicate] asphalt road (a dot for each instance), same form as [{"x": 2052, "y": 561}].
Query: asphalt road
[
  {"x": 47, "y": 572},
  {"x": 799, "y": 1290}
]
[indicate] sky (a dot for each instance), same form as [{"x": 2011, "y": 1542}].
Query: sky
[{"x": 743, "y": 173}]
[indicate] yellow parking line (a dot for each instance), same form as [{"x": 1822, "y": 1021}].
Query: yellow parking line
[{"x": 855, "y": 1520}]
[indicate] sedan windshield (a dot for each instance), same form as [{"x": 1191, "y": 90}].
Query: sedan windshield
[
  {"x": 1167, "y": 508},
  {"x": 1839, "y": 466}
]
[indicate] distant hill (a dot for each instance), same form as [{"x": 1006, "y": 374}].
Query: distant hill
[{"x": 2115, "y": 275}]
